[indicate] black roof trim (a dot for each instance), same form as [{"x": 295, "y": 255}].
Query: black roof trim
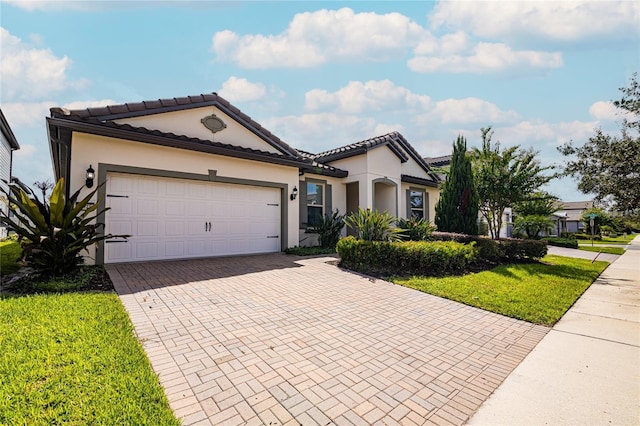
[
  {"x": 7, "y": 132},
  {"x": 361, "y": 147},
  {"x": 139, "y": 109},
  {"x": 141, "y": 134},
  {"x": 418, "y": 181}
]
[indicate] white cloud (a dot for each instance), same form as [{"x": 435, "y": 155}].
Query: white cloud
[
  {"x": 314, "y": 38},
  {"x": 467, "y": 110},
  {"x": 310, "y": 132},
  {"x": 482, "y": 58},
  {"x": 28, "y": 73},
  {"x": 357, "y": 97},
  {"x": 32, "y": 114},
  {"x": 25, "y": 152},
  {"x": 606, "y": 111},
  {"x": 242, "y": 90},
  {"x": 567, "y": 21}
]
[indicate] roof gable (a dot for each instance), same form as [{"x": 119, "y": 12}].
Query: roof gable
[
  {"x": 157, "y": 113},
  {"x": 412, "y": 161}
]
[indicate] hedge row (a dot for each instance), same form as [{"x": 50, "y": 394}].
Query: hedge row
[
  {"x": 562, "y": 242},
  {"x": 504, "y": 249},
  {"x": 405, "y": 258}
]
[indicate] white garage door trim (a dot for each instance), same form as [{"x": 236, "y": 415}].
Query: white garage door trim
[{"x": 272, "y": 192}]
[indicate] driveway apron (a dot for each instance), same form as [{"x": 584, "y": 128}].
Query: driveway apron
[{"x": 277, "y": 339}]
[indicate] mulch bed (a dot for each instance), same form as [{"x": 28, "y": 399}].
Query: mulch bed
[{"x": 86, "y": 278}]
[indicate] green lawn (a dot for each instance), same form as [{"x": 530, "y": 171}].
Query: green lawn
[
  {"x": 9, "y": 253},
  {"x": 609, "y": 250},
  {"x": 536, "y": 292},
  {"x": 73, "y": 359},
  {"x": 621, "y": 239}
]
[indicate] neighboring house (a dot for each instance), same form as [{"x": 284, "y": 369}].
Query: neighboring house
[
  {"x": 196, "y": 177},
  {"x": 572, "y": 212},
  {"x": 7, "y": 146}
]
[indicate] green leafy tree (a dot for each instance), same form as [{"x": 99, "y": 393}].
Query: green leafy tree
[
  {"x": 457, "y": 208},
  {"x": 532, "y": 225},
  {"x": 602, "y": 219},
  {"x": 608, "y": 166},
  {"x": 54, "y": 234},
  {"x": 505, "y": 177},
  {"x": 540, "y": 203}
]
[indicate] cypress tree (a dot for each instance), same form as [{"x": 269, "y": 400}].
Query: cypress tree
[{"x": 457, "y": 208}]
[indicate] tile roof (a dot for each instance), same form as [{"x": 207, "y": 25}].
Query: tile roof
[
  {"x": 137, "y": 109},
  {"x": 110, "y": 128},
  {"x": 361, "y": 147},
  {"x": 443, "y": 160},
  {"x": 394, "y": 140},
  {"x": 575, "y": 205}
]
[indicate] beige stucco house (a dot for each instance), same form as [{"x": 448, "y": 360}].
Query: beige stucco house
[{"x": 195, "y": 177}]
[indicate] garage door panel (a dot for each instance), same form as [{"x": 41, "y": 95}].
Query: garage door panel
[
  {"x": 149, "y": 186},
  {"x": 147, "y": 206},
  {"x": 118, "y": 252},
  {"x": 174, "y": 249},
  {"x": 173, "y": 229},
  {"x": 175, "y": 207},
  {"x": 148, "y": 229},
  {"x": 147, "y": 250},
  {"x": 169, "y": 218}
]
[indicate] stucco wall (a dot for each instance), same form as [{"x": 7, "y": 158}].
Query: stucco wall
[
  {"x": 187, "y": 122},
  {"x": 91, "y": 149}
]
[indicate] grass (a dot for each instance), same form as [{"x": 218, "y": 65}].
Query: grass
[
  {"x": 621, "y": 239},
  {"x": 9, "y": 253},
  {"x": 608, "y": 250},
  {"x": 72, "y": 358},
  {"x": 536, "y": 292}
]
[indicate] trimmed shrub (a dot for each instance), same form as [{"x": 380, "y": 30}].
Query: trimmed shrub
[
  {"x": 562, "y": 242},
  {"x": 515, "y": 249},
  {"x": 405, "y": 258},
  {"x": 488, "y": 249},
  {"x": 498, "y": 250}
]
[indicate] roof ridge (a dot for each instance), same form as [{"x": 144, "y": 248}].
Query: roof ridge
[{"x": 149, "y": 107}]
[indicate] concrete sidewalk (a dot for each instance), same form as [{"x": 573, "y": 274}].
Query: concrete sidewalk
[{"x": 586, "y": 370}]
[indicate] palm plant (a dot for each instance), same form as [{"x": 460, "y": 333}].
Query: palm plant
[
  {"x": 371, "y": 225},
  {"x": 53, "y": 235},
  {"x": 328, "y": 228}
]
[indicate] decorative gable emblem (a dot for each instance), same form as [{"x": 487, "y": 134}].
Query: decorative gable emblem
[{"x": 213, "y": 123}]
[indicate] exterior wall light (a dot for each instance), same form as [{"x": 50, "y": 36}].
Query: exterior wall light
[
  {"x": 294, "y": 193},
  {"x": 90, "y": 176}
]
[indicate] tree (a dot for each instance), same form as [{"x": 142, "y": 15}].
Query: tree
[
  {"x": 540, "y": 203},
  {"x": 505, "y": 177},
  {"x": 43, "y": 186},
  {"x": 602, "y": 219},
  {"x": 608, "y": 165},
  {"x": 532, "y": 214},
  {"x": 532, "y": 225},
  {"x": 457, "y": 208}
]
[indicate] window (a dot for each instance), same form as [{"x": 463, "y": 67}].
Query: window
[
  {"x": 315, "y": 202},
  {"x": 417, "y": 204}
]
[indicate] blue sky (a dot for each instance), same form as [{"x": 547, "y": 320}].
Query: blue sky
[{"x": 325, "y": 74}]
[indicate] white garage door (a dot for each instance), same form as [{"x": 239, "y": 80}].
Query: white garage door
[{"x": 176, "y": 218}]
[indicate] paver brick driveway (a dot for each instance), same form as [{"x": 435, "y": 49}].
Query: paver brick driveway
[{"x": 278, "y": 340}]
